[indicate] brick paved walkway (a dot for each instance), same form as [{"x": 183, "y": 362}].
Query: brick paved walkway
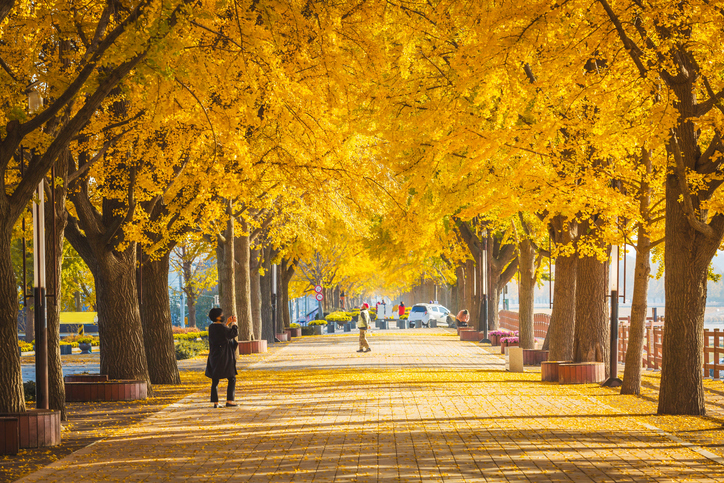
[{"x": 422, "y": 406}]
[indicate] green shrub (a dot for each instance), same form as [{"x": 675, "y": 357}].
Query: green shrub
[
  {"x": 318, "y": 322},
  {"x": 187, "y": 349},
  {"x": 29, "y": 390}
]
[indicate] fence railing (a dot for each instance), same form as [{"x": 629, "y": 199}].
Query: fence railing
[{"x": 509, "y": 321}]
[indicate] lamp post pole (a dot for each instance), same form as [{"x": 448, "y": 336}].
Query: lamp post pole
[
  {"x": 484, "y": 302},
  {"x": 41, "y": 321}
]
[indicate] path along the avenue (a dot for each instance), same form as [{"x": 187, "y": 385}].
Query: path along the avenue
[{"x": 422, "y": 406}]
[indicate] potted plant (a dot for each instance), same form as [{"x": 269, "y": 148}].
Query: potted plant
[
  {"x": 496, "y": 335},
  {"x": 317, "y": 325},
  {"x": 85, "y": 344},
  {"x": 508, "y": 342},
  {"x": 296, "y": 330}
]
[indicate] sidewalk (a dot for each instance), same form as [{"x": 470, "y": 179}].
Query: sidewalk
[{"x": 422, "y": 406}]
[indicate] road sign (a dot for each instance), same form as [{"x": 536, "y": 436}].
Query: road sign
[
  {"x": 320, "y": 297},
  {"x": 318, "y": 289}
]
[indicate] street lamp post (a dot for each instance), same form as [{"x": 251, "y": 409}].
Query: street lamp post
[
  {"x": 484, "y": 301},
  {"x": 39, "y": 287}
]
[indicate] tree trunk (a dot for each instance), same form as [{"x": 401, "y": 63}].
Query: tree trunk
[
  {"x": 256, "y": 294},
  {"x": 469, "y": 281},
  {"x": 526, "y": 294},
  {"x": 225, "y": 265},
  {"x": 460, "y": 289},
  {"x": 123, "y": 355},
  {"x": 56, "y": 385},
  {"x": 592, "y": 331},
  {"x": 12, "y": 397},
  {"x": 243, "y": 287},
  {"x": 287, "y": 269},
  {"x": 189, "y": 290},
  {"x": 266, "y": 302},
  {"x": 637, "y": 326},
  {"x": 156, "y": 319},
  {"x": 687, "y": 257},
  {"x": 191, "y": 306},
  {"x": 559, "y": 340}
]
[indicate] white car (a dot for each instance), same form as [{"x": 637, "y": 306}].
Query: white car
[{"x": 428, "y": 315}]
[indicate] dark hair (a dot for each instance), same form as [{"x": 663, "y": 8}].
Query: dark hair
[
  {"x": 465, "y": 311},
  {"x": 215, "y": 313}
]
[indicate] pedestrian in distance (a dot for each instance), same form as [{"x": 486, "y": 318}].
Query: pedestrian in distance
[
  {"x": 221, "y": 363},
  {"x": 463, "y": 318},
  {"x": 401, "y": 309},
  {"x": 363, "y": 324}
]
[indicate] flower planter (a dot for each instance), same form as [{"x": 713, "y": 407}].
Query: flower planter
[
  {"x": 504, "y": 344},
  {"x": 282, "y": 337},
  {"x": 296, "y": 331},
  {"x": 288, "y": 333},
  {"x": 252, "y": 346},
  {"x": 66, "y": 350},
  {"x": 549, "y": 370},
  {"x": 85, "y": 347},
  {"x": 348, "y": 327},
  {"x": 382, "y": 324},
  {"x": 113, "y": 390},
  {"x": 317, "y": 329},
  {"x": 494, "y": 339},
  {"x": 331, "y": 327}
]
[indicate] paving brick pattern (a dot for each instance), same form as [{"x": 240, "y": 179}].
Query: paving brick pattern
[{"x": 422, "y": 406}]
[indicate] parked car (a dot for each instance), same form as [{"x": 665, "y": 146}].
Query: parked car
[{"x": 426, "y": 313}]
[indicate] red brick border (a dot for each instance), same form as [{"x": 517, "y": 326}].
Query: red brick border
[
  {"x": 9, "y": 435},
  {"x": 534, "y": 357},
  {"x": 472, "y": 335},
  {"x": 549, "y": 370},
  {"x": 113, "y": 390},
  {"x": 252, "y": 346},
  {"x": 37, "y": 428},
  {"x": 86, "y": 378},
  {"x": 581, "y": 373}
]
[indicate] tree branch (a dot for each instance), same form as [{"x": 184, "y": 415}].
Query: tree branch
[{"x": 687, "y": 204}]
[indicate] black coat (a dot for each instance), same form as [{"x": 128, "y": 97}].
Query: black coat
[{"x": 221, "y": 363}]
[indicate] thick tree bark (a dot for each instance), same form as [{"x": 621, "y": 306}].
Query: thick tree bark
[
  {"x": 286, "y": 270},
  {"x": 268, "y": 328},
  {"x": 225, "y": 266},
  {"x": 559, "y": 340},
  {"x": 156, "y": 319},
  {"x": 502, "y": 265},
  {"x": 243, "y": 287},
  {"x": 12, "y": 397},
  {"x": 592, "y": 330},
  {"x": 56, "y": 385},
  {"x": 637, "y": 327},
  {"x": 526, "y": 294},
  {"x": 255, "y": 299}
]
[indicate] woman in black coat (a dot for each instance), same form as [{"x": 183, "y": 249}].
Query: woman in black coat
[{"x": 222, "y": 359}]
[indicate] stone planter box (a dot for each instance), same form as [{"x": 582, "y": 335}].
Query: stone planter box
[
  {"x": 282, "y": 337},
  {"x": 534, "y": 357},
  {"x": 252, "y": 346},
  {"x": 348, "y": 327},
  {"x": 295, "y": 332},
  {"x": 401, "y": 324},
  {"x": 471, "y": 335},
  {"x": 9, "y": 435},
  {"x": 66, "y": 350},
  {"x": 549, "y": 370},
  {"x": 318, "y": 329},
  {"x": 37, "y": 428},
  {"x": 581, "y": 373},
  {"x": 382, "y": 324},
  {"x": 331, "y": 327},
  {"x": 353, "y": 324}
]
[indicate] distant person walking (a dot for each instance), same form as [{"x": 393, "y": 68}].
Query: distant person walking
[
  {"x": 221, "y": 363},
  {"x": 401, "y": 309},
  {"x": 363, "y": 323}
]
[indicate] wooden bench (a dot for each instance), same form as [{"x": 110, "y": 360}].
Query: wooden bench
[
  {"x": 113, "y": 390},
  {"x": 37, "y": 428}
]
